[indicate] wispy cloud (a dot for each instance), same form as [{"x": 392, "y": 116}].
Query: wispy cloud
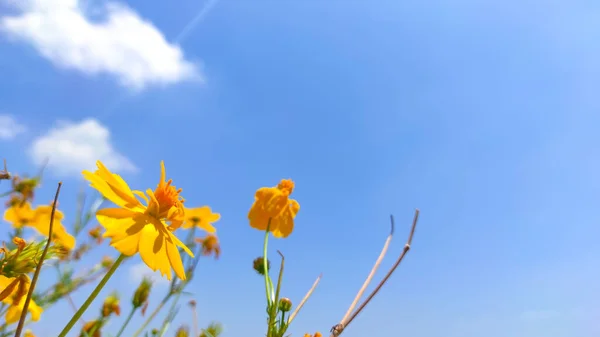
[
  {"x": 72, "y": 147},
  {"x": 117, "y": 42},
  {"x": 10, "y": 128}
]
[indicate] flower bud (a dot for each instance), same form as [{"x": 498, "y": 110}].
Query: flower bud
[
  {"x": 285, "y": 304},
  {"x": 91, "y": 327},
  {"x": 258, "y": 265},
  {"x": 141, "y": 293},
  {"x": 111, "y": 306},
  {"x": 183, "y": 331},
  {"x": 107, "y": 262}
]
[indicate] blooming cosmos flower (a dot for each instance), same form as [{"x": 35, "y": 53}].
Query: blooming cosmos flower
[
  {"x": 201, "y": 217},
  {"x": 20, "y": 215},
  {"x": 18, "y": 287},
  {"x": 135, "y": 227},
  {"x": 274, "y": 203}
]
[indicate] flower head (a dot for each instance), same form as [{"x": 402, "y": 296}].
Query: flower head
[
  {"x": 135, "y": 227},
  {"x": 210, "y": 245},
  {"x": 14, "y": 295},
  {"x": 273, "y": 208},
  {"x": 20, "y": 215},
  {"x": 201, "y": 217}
]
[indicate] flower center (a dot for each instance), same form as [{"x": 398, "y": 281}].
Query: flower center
[
  {"x": 286, "y": 186},
  {"x": 167, "y": 196}
]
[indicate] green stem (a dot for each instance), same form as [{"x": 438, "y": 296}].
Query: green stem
[
  {"x": 154, "y": 313},
  {"x": 126, "y": 321},
  {"x": 268, "y": 284},
  {"x": 167, "y": 319},
  {"x": 92, "y": 297}
]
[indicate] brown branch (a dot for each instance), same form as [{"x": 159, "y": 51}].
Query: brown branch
[
  {"x": 337, "y": 329},
  {"x": 4, "y": 175},
  {"x": 36, "y": 275}
]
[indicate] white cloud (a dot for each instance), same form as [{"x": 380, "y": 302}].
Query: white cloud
[
  {"x": 9, "y": 128},
  {"x": 138, "y": 271},
  {"x": 110, "y": 39},
  {"x": 72, "y": 147}
]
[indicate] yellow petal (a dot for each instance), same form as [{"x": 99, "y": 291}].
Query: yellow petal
[
  {"x": 175, "y": 257},
  {"x": 124, "y": 227},
  {"x": 112, "y": 187},
  {"x": 13, "y": 314},
  {"x": 153, "y": 250}
]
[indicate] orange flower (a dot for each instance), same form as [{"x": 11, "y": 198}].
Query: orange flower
[
  {"x": 201, "y": 217},
  {"x": 274, "y": 204}
]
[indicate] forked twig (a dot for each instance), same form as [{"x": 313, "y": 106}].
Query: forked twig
[
  {"x": 371, "y": 274},
  {"x": 36, "y": 275},
  {"x": 308, "y": 294},
  {"x": 337, "y": 329}
]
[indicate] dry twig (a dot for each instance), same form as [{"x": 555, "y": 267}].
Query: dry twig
[
  {"x": 308, "y": 294},
  {"x": 36, "y": 275},
  {"x": 337, "y": 329}
]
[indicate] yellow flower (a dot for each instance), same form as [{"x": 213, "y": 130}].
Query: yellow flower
[
  {"x": 16, "y": 300},
  {"x": 41, "y": 222},
  {"x": 28, "y": 333},
  {"x": 20, "y": 215},
  {"x": 274, "y": 203},
  {"x": 201, "y": 217},
  {"x": 135, "y": 227}
]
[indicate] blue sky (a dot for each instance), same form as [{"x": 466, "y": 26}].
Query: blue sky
[{"x": 483, "y": 115}]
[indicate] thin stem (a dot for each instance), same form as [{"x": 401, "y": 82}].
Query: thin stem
[
  {"x": 36, "y": 275},
  {"x": 169, "y": 316},
  {"x": 154, "y": 313},
  {"x": 339, "y": 328},
  {"x": 92, "y": 296},
  {"x": 297, "y": 310},
  {"x": 126, "y": 321},
  {"x": 196, "y": 332},
  {"x": 268, "y": 286},
  {"x": 371, "y": 274}
]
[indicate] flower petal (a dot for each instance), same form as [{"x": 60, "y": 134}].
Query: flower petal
[
  {"x": 153, "y": 250},
  {"x": 175, "y": 257}
]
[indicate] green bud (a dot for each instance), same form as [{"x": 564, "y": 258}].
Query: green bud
[{"x": 285, "y": 304}]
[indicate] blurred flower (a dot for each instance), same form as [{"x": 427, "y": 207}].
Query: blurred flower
[
  {"x": 39, "y": 218},
  {"x": 41, "y": 222},
  {"x": 210, "y": 245},
  {"x": 259, "y": 265},
  {"x": 19, "y": 215},
  {"x": 28, "y": 333},
  {"x": 107, "y": 262},
  {"x": 89, "y": 327},
  {"x": 141, "y": 293},
  {"x": 201, "y": 217},
  {"x": 25, "y": 188},
  {"x": 96, "y": 235},
  {"x": 274, "y": 203},
  {"x": 135, "y": 227},
  {"x": 111, "y": 306},
  {"x": 14, "y": 295},
  {"x": 183, "y": 331}
]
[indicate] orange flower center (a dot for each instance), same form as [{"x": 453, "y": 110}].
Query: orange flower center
[{"x": 167, "y": 196}]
